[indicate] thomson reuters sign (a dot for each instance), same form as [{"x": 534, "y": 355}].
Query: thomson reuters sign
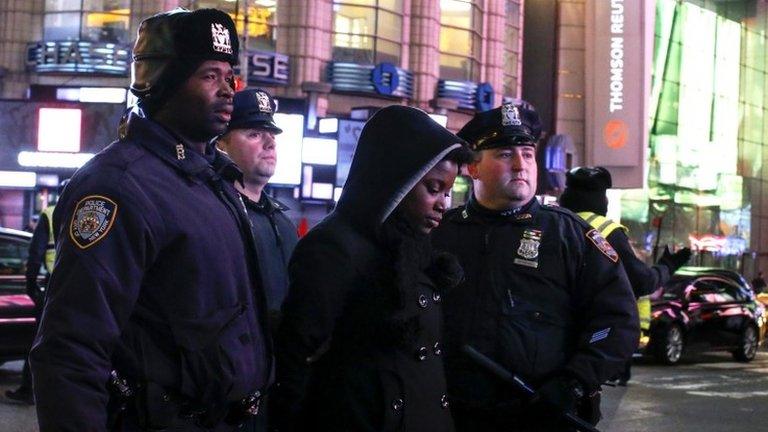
[{"x": 619, "y": 44}]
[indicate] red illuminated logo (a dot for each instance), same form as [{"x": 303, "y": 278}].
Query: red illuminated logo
[{"x": 615, "y": 134}]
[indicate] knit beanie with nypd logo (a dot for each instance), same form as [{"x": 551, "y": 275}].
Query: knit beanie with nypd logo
[{"x": 170, "y": 46}]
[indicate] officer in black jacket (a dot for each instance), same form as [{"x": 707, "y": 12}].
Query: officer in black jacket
[
  {"x": 155, "y": 317},
  {"x": 544, "y": 294},
  {"x": 584, "y": 194},
  {"x": 250, "y": 142}
]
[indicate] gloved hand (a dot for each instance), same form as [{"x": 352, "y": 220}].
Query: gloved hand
[
  {"x": 34, "y": 292},
  {"x": 561, "y": 393},
  {"x": 674, "y": 261}
]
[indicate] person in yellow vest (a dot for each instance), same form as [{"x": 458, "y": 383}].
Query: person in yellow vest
[
  {"x": 584, "y": 194},
  {"x": 42, "y": 252}
]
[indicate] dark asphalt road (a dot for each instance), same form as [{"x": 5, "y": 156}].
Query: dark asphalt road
[{"x": 707, "y": 393}]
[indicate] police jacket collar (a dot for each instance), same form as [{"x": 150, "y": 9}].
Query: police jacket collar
[
  {"x": 475, "y": 210},
  {"x": 177, "y": 152},
  {"x": 266, "y": 204}
]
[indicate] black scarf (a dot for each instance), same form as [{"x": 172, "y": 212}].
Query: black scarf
[{"x": 411, "y": 254}]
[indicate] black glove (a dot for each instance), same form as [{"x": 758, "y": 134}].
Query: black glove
[
  {"x": 561, "y": 393},
  {"x": 34, "y": 292},
  {"x": 674, "y": 261}
]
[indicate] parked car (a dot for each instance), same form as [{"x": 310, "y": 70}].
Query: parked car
[
  {"x": 17, "y": 311},
  {"x": 706, "y": 309}
]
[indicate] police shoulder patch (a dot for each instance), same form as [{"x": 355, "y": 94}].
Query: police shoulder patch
[
  {"x": 92, "y": 219},
  {"x": 603, "y": 245}
]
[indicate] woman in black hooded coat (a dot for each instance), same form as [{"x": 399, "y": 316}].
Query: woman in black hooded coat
[{"x": 359, "y": 347}]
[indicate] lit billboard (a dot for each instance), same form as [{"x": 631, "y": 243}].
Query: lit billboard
[{"x": 619, "y": 45}]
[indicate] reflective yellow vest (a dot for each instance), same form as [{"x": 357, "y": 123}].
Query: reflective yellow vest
[
  {"x": 50, "y": 250},
  {"x": 606, "y": 226}
]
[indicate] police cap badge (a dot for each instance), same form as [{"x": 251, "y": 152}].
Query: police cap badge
[{"x": 254, "y": 108}]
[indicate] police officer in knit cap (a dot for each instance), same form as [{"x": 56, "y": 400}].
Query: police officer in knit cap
[
  {"x": 585, "y": 195},
  {"x": 155, "y": 317},
  {"x": 544, "y": 294}
]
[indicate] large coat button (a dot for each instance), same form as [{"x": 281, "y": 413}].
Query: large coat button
[
  {"x": 436, "y": 297},
  {"x": 397, "y": 404},
  {"x": 421, "y": 353},
  {"x": 422, "y": 301},
  {"x": 437, "y": 349},
  {"x": 444, "y": 401}
]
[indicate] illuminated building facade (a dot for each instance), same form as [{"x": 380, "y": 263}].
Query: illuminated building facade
[
  {"x": 326, "y": 61},
  {"x": 702, "y": 179}
]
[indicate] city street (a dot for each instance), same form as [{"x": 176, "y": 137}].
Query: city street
[{"x": 706, "y": 393}]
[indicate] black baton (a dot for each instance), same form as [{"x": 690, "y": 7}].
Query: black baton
[{"x": 507, "y": 376}]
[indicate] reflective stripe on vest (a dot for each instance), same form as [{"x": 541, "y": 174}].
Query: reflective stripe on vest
[
  {"x": 50, "y": 249},
  {"x": 601, "y": 223},
  {"x": 607, "y": 226},
  {"x": 644, "y": 310}
]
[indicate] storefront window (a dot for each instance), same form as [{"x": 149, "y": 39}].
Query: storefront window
[
  {"x": 367, "y": 31},
  {"x": 460, "y": 29},
  {"x": 511, "y": 47},
  {"x": 87, "y": 20},
  {"x": 706, "y": 167},
  {"x": 260, "y": 16}
]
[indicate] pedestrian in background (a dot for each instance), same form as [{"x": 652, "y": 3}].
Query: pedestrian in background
[
  {"x": 544, "y": 294},
  {"x": 155, "y": 317},
  {"x": 42, "y": 252},
  {"x": 360, "y": 342},
  {"x": 585, "y": 195}
]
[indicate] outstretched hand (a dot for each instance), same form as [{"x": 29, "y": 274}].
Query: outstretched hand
[{"x": 674, "y": 261}]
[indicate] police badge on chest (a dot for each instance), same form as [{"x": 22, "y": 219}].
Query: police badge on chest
[{"x": 529, "y": 248}]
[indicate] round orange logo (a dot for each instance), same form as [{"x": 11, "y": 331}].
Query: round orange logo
[{"x": 615, "y": 134}]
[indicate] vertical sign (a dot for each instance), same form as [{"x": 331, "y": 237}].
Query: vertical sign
[
  {"x": 619, "y": 46},
  {"x": 349, "y": 133}
]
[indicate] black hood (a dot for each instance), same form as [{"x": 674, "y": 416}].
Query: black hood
[{"x": 397, "y": 147}]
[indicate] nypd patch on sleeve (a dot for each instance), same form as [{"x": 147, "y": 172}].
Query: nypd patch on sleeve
[
  {"x": 92, "y": 219},
  {"x": 603, "y": 245}
]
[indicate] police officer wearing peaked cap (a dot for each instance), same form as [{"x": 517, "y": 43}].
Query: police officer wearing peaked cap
[
  {"x": 544, "y": 294},
  {"x": 156, "y": 318},
  {"x": 250, "y": 142}
]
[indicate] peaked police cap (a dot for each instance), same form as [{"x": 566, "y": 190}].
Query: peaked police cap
[
  {"x": 254, "y": 108},
  {"x": 506, "y": 125}
]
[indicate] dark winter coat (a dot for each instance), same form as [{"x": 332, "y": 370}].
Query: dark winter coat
[
  {"x": 275, "y": 237},
  {"x": 360, "y": 346},
  {"x": 544, "y": 295},
  {"x": 155, "y": 277}
]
